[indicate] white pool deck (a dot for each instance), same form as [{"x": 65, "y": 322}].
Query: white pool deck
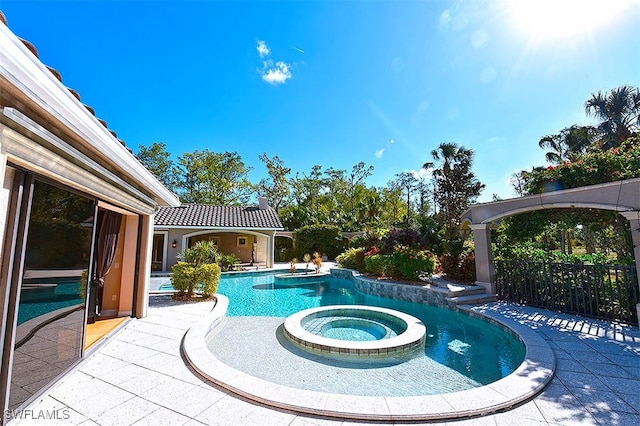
[{"x": 139, "y": 376}]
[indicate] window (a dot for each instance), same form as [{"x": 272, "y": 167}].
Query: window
[{"x": 242, "y": 241}]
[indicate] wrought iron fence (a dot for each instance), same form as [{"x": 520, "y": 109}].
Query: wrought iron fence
[{"x": 600, "y": 291}]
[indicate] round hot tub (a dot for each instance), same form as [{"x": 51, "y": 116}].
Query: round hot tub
[{"x": 355, "y": 330}]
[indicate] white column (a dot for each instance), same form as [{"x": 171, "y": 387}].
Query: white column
[
  {"x": 485, "y": 272},
  {"x": 271, "y": 246},
  {"x": 634, "y": 223},
  {"x": 144, "y": 268}
]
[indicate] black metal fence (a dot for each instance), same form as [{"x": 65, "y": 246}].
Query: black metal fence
[{"x": 599, "y": 291}]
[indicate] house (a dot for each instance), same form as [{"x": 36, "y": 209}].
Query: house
[
  {"x": 76, "y": 224},
  {"x": 247, "y": 232}
]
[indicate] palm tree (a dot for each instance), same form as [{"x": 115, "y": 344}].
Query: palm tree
[
  {"x": 618, "y": 112},
  {"x": 455, "y": 185},
  {"x": 569, "y": 144}
]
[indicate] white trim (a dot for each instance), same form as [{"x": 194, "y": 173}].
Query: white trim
[
  {"x": 252, "y": 228},
  {"x": 44, "y": 154}
]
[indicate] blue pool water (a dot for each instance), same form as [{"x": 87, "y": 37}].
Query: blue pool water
[
  {"x": 471, "y": 351},
  {"x": 39, "y": 300}
]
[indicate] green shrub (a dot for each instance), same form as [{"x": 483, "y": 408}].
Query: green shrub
[
  {"x": 378, "y": 264},
  {"x": 353, "y": 258},
  {"x": 198, "y": 270},
  {"x": 208, "y": 279},
  {"x": 325, "y": 239},
  {"x": 183, "y": 278},
  {"x": 402, "y": 237},
  {"x": 370, "y": 238},
  {"x": 188, "y": 278},
  {"x": 283, "y": 249},
  {"x": 201, "y": 252},
  {"x": 411, "y": 263},
  {"x": 226, "y": 261}
]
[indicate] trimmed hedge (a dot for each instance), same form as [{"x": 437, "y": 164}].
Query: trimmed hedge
[{"x": 324, "y": 239}]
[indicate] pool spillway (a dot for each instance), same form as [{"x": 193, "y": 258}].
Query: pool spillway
[{"x": 355, "y": 331}]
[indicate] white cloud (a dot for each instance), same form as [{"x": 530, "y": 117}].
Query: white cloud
[
  {"x": 277, "y": 73},
  {"x": 263, "y": 49},
  {"x": 272, "y": 72},
  {"x": 496, "y": 139},
  {"x": 420, "y": 174},
  {"x": 379, "y": 153}
]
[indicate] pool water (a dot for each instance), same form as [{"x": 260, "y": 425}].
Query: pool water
[
  {"x": 470, "y": 351},
  {"x": 352, "y": 329},
  {"x": 37, "y": 300}
]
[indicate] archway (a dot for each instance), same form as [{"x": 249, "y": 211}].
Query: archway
[{"x": 622, "y": 197}]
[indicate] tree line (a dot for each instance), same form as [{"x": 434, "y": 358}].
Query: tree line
[{"x": 325, "y": 195}]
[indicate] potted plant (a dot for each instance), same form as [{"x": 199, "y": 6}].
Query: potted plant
[{"x": 317, "y": 261}]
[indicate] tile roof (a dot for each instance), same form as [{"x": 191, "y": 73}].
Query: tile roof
[{"x": 218, "y": 217}]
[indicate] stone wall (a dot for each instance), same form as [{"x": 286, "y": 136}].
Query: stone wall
[{"x": 416, "y": 293}]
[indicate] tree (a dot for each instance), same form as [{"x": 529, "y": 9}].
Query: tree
[
  {"x": 276, "y": 187},
  {"x": 308, "y": 193},
  {"x": 214, "y": 178},
  {"x": 347, "y": 193},
  {"x": 157, "y": 160},
  {"x": 393, "y": 205},
  {"x": 569, "y": 144},
  {"x": 455, "y": 185},
  {"x": 407, "y": 181},
  {"x": 618, "y": 112},
  {"x": 518, "y": 181},
  {"x": 359, "y": 173}
]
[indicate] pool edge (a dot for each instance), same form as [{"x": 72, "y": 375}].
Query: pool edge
[{"x": 533, "y": 374}]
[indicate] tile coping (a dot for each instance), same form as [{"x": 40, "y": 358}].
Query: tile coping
[
  {"x": 533, "y": 374},
  {"x": 410, "y": 339}
]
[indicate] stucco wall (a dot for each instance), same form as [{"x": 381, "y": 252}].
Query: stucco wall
[{"x": 227, "y": 243}]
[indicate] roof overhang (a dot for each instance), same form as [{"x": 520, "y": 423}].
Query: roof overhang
[
  {"x": 214, "y": 228},
  {"x": 35, "y": 89}
]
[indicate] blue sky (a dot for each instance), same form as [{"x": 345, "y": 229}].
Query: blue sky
[{"x": 338, "y": 82}]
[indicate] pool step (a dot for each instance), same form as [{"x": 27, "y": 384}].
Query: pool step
[
  {"x": 465, "y": 290},
  {"x": 473, "y": 299}
]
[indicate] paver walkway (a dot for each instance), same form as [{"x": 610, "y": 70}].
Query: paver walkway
[{"x": 138, "y": 377}]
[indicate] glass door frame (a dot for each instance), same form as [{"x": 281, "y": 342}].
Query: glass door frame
[{"x": 12, "y": 272}]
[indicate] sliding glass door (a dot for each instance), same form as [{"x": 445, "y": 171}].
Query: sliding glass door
[{"x": 51, "y": 296}]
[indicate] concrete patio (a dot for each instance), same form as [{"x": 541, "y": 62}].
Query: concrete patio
[{"x": 137, "y": 376}]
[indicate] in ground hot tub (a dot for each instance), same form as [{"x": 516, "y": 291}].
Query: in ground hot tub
[{"x": 355, "y": 330}]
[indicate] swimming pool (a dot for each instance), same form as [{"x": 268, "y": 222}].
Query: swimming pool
[{"x": 460, "y": 352}]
